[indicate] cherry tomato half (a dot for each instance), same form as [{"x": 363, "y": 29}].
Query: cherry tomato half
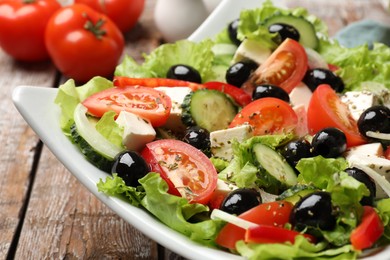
[
  {"x": 124, "y": 13},
  {"x": 188, "y": 172},
  {"x": 267, "y": 116},
  {"x": 147, "y": 103},
  {"x": 239, "y": 96},
  {"x": 22, "y": 27},
  {"x": 368, "y": 231},
  {"x": 270, "y": 234},
  {"x": 326, "y": 110},
  {"x": 386, "y": 153},
  {"x": 285, "y": 68},
  {"x": 83, "y": 43},
  {"x": 274, "y": 214}
]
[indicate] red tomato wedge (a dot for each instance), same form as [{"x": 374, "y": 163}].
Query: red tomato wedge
[
  {"x": 386, "y": 153},
  {"x": 240, "y": 96},
  {"x": 333, "y": 67},
  {"x": 275, "y": 214},
  {"x": 147, "y": 103},
  {"x": 326, "y": 110},
  {"x": 368, "y": 231},
  {"x": 188, "y": 172},
  {"x": 269, "y": 234},
  {"x": 285, "y": 68},
  {"x": 267, "y": 116},
  {"x": 155, "y": 82}
]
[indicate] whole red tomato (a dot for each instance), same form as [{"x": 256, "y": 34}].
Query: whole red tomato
[
  {"x": 124, "y": 13},
  {"x": 83, "y": 43},
  {"x": 22, "y": 27}
]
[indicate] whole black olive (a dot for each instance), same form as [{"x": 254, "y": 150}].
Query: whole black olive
[
  {"x": 130, "y": 166},
  {"x": 232, "y": 31},
  {"x": 268, "y": 90},
  {"x": 284, "y": 31},
  {"x": 313, "y": 210},
  {"x": 296, "y": 150},
  {"x": 376, "y": 119},
  {"x": 199, "y": 138},
  {"x": 315, "y": 77},
  {"x": 239, "y": 72},
  {"x": 366, "y": 180},
  {"x": 184, "y": 72},
  {"x": 240, "y": 200},
  {"x": 329, "y": 142}
]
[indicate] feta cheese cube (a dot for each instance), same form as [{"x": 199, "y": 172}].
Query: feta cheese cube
[
  {"x": 177, "y": 95},
  {"x": 221, "y": 140},
  {"x": 379, "y": 164},
  {"x": 370, "y": 155},
  {"x": 372, "y": 149},
  {"x": 251, "y": 50},
  {"x": 358, "y": 101},
  {"x": 301, "y": 95},
  {"x": 136, "y": 131}
]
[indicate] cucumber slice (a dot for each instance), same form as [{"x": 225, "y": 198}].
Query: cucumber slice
[
  {"x": 89, "y": 133},
  {"x": 274, "y": 165},
  {"x": 308, "y": 36},
  {"x": 209, "y": 109},
  {"x": 296, "y": 193},
  {"x": 92, "y": 156}
]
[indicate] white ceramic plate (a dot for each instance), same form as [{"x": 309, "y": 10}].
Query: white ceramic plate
[{"x": 36, "y": 105}]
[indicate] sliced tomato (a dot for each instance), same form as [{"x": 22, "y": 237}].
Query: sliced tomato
[
  {"x": 155, "y": 82},
  {"x": 333, "y": 67},
  {"x": 285, "y": 68},
  {"x": 326, "y": 110},
  {"x": 188, "y": 172},
  {"x": 240, "y": 96},
  {"x": 147, "y": 103},
  {"x": 269, "y": 234},
  {"x": 386, "y": 153},
  {"x": 217, "y": 198},
  {"x": 267, "y": 116},
  {"x": 274, "y": 214},
  {"x": 368, "y": 231}
]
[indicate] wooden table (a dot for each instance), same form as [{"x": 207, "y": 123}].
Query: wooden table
[{"x": 44, "y": 212}]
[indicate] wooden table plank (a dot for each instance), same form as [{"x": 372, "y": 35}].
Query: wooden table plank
[
  {"x": 64, "y": 220},
  {"x": 18, "y": 144}
]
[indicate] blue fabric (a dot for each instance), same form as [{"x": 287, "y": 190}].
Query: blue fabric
[{"x": 363, "y": 32}]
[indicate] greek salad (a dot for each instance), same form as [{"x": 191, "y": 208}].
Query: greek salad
[{"x": 269, "y": 141}]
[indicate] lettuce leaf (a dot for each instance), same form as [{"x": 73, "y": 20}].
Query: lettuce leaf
[
  {"x": 301, "y": 249},
  {"x": 328, "y": 174},
  {"x": 110, "y": 129},
  {"x": 358, "y": 64},
  {"x": 175, "y": 212},
  {"x": 383, "y": 208},
  {"x": 251, "y": 21},
  {"x": 242, "y": 170},
  {"x": 157, "y": 63},
  {"x": 69, "y": 96},
  {"x": 116, "y": 187}
]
